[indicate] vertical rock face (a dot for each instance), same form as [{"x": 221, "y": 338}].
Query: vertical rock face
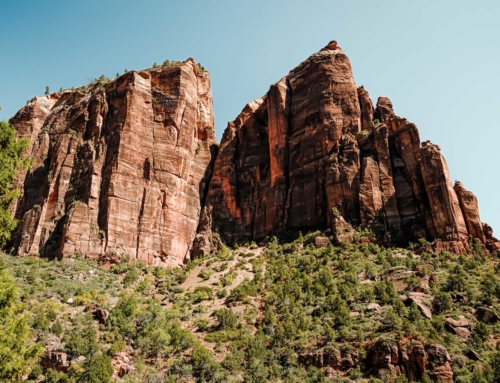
[
  {"x": 119, "y": 167},
  {"x": 470, "y": 209},
  {"x": 314, "y": 151},
  {"x": 447, "y": 216}
]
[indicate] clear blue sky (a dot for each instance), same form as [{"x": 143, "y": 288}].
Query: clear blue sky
[{"x": 438, "y": 61}]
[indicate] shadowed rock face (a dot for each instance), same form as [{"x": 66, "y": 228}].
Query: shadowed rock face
[
  {"x": 314, "y": 148},
  {"x": 119, "y": 167},
  {"x": 411, "y": 359}
]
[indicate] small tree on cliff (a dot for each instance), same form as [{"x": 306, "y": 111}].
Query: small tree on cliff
[
  {"x": 47, "y": 90},
  {"x": 11, "y": 152}
]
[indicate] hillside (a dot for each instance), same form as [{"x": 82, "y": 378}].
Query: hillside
[{"x": 299, "y": 311}]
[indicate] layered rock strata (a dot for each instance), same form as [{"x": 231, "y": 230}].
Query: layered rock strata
[
  {"x": 119, "y": 167},
  {"x": 314, "y": 151}
]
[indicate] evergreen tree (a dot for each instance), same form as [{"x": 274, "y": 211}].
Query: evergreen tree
[
  {"x": 98, "y": 369},
  {"x": 47, "y": 90},
  {"x": 18, "y": 354},
  {"x": 11, "y": 152}
]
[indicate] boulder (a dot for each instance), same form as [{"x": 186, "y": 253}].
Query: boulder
[
  {"x": 320, "y": 242},
  {"x": 474, "y": 355},
  {"x": 55, "y": 360},
  {"x": 460, "y": 322},
  {"x": 100, "y": 315},
  {"x": 486, "y": 315},
  {"x": 423, "y": 302},
  {"x": 374, "y": 307}
]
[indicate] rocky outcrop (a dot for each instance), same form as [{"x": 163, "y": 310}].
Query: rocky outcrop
[
  {"x": 290, "y": 156},
  {"x": 55, "y": 360},
  {"x": 460, "y": 327},
  {"x": 481, "y": 231},
  {"x": 120, "y": 167},
  {"x": 470, "y": 209},
  {"x": 333, "y": 362},
  {"x": 487, "y": 315},
  {"x": 447, "y": 217},
  {"x": 411, "y": 359},
  {"x": 314, "y": 152}
]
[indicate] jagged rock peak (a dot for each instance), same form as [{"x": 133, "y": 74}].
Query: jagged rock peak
[
  {"x": 332, "y": 46},
  {"x": 120, "y": 166},
  {"x": 314, "y": 149}
]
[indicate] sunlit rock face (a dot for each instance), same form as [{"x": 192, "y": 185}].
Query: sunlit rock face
[
  {"x": 315, "y": 148},
  {"x": 119, "y": 167}
]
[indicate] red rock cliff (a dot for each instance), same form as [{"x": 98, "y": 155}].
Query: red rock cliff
[
  {"x": 119, "y": 166},
  {"x": 314, "y": 148}
]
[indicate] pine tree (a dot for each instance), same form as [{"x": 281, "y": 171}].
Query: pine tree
[
  {"x": 11, "y": 152},
  {"x": 47, "y": 90},
  {"x": 18, "y": 354}
]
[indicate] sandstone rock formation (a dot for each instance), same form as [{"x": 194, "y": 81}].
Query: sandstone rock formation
[
  {"x": 314, "y": 152},
  {"x": 335, "y": 362},
  {"x": 123, "y": 168},
  {"x": 411, "y": 359},
  {"x": 120, "y": 167}
]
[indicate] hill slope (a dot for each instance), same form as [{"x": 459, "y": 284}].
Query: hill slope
[{"x": 291, "y": 312}]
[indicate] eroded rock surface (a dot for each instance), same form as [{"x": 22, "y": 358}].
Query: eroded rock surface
[
  {"x": 122, "y": 168},
  {"x": 314, "y": 152},
  {"x": 411, "y": 359},
  {"x": 119, "y": 167}
]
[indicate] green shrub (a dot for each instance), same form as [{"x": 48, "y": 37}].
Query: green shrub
[
  {"x": 18, "y": 352},
  {"x": 203, "y": 324},
  {"x": 156, "y": 343},
  {"x": 204, "y": 364},
  {"x": 41, "y": 322},
  {"x": 228, "y": 278},
  {"x": 205, "y": 275},
  {"x": 97, "y": 369},
  {"x": 57, "y": 328},
  {"x": 82, "y": 340},
  {"x": 226, "y": 319},
  {"x": 118, "y": 346},
  {"x": 131, "y": 277},
  {"x": 442, "y": 302},
  {"x": 222, "y": 293}
]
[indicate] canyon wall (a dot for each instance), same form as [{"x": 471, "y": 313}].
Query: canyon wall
[
  {"x": 119, "y": 167},
  {"x": 129, "y": 167}
]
